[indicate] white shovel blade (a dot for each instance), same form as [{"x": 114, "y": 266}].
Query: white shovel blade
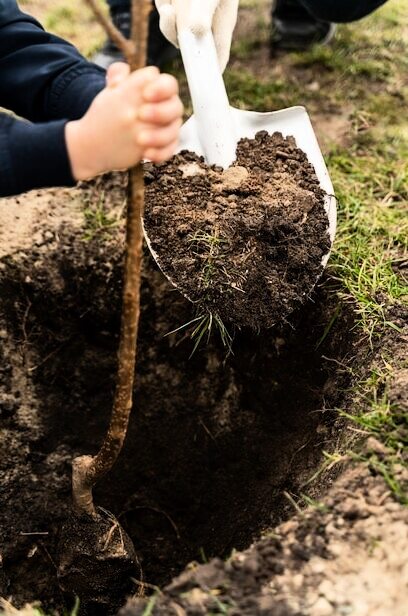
[{"x": 294, "y": 122}]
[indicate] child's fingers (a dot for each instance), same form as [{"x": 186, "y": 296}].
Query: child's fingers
[
  {"x": 159, "y": 138},
  {"x": 117, "y": 72},
  {"x": 134, "y": 85},
  {"x": 161, "y": 113},
  {"x": 159, "y": 155},
  {"x": 160, "y": 89}
]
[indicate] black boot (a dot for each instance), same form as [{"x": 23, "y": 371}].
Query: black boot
[
  {"x": 159, "y": 49},
  {"x": 293, "y": 28}
]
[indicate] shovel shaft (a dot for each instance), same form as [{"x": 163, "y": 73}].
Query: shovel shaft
[{"x": 214, "y": 120}]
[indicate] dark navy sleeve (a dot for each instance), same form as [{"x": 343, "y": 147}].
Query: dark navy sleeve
[
  {"x": 32, "y": 156},
  {"x": 42, "y": 77},
  {"x": 45, "y": 80}
]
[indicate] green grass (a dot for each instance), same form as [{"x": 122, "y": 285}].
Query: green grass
[
  {"x": 201, "y": 329},
  {"x": 209, "y": 247},
  {"x": 148, "y": 611},
  {"x": 248, "y": 92},
  {"x": 374, "y": 415},
  {"x": 99, "y": 221},
  {"x": 372, "y": 191},
  {"x": 388, "y": 424}
]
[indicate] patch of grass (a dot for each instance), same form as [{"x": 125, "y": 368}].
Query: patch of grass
[
  {"x": 336, "y": 58},
  {"x": 59, "y": 18},
  {"x": 388, "y": 424},
  {"x": 331, "y": 459},
  {"x": 222, "y": 608},
  {"x": 69, "y": 19},
  {"x": 203, "y": 556},
  {"x": 244, "y": 47},
  {"x": 208, "y": 246},
  {"x": 202, "y": 327},
  {"x": 315, "y": 504},
  {"x": 372, "y": 191},
  {"x": 98, "y": 220},
  {"x": 205, "y": 327},
  {"x": 248, "y": 92}
]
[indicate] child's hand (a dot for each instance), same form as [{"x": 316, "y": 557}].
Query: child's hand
[{"x": 136, "y": 116}]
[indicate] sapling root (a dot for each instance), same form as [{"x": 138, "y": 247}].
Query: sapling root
[{"x": 81, "y": 489}]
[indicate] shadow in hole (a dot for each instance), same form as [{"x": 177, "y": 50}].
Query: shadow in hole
[{"x": 212, "y": 443}]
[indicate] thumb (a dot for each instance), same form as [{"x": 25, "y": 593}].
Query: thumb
[
  {"x": 117, "y": 73},
  {"x": 168, "y": 22}
]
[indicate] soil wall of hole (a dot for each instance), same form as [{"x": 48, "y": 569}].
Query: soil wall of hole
[{"x": 213, "y": 443}]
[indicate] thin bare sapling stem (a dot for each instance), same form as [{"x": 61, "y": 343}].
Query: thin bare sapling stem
[{"x": 88, "y": 470}]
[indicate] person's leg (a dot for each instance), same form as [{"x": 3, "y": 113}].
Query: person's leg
[
  {"x": 159, "y": 49},
  {"x": 341, "y": 11},
  {"x": 122, "y": 5},
  {"x": 297, "y": 24},
  {"x": 295, "y": 28}
]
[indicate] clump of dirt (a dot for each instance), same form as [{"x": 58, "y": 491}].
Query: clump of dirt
[
  {"x": 245, "y": 244},
  {"x": 97, "y": 561}
]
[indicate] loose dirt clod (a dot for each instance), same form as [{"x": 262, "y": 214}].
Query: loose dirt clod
[
  {"x": 99, "y": 566},
  {"x": 246, "y": 243}
]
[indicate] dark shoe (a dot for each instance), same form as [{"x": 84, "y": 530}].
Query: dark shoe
[
  {"x": 159, "y": 51},
  {"x": 294, "y": 29}
]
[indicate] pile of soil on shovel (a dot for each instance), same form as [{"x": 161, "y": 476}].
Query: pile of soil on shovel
[{"x": 246, "y": 244}]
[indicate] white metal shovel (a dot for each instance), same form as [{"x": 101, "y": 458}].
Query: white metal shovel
[{"x": 216, "y": 128}]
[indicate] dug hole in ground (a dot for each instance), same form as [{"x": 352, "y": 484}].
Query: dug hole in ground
[{"x": 219, "y": 448}]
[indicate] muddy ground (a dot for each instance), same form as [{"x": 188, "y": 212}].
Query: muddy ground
[{"x": 218, "y": 448}]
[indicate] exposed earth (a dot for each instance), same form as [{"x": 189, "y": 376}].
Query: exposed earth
[{"x": 219, "y": 449}]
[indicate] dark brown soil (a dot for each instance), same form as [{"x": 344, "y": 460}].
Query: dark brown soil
[
  {"x": 212, "y": 444},
  {"x": 245, "y": 244},
  {"x": 325, "y": 562}
]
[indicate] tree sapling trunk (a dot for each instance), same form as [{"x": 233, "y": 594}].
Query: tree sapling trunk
[{"x": 97, "y": 558}]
